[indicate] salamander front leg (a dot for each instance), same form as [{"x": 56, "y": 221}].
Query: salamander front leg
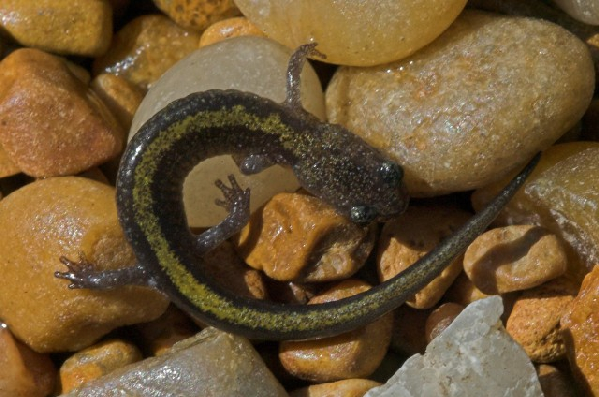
[
  {"x": 237, "y": 202},
  {"x": 82, "y": 274}
]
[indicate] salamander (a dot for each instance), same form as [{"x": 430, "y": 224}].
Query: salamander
[{"x": 329, "y": 162}]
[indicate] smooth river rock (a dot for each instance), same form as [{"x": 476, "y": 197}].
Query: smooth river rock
[{"x": 475, "y": 104}]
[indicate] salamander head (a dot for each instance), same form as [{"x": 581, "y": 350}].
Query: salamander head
[{"x": 355, "y": 178}]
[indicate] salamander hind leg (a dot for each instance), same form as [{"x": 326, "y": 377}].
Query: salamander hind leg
[
  {"x": 237, "y": 202},
  {"x": 294, "y": 70},
  {"x": 83, "y": 274}
]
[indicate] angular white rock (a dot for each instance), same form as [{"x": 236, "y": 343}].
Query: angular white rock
[
  {"x": 474, "y": 357},
  {"x": 252, "y": 64},
  {"x": 212, "y": 363}
]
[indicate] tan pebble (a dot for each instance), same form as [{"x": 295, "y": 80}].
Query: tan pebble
[
  {"x": 57, "y": 217},
  {"x": 354, "y": 354},
  {"x": 297, "y": 236},
  {"x": 231, "y": 273},
  {"x": 534, "y": 321},
  {"x": 119, "y": 95},
  {"x": 229, "y": 28},
  {"x": 7, "y": 167},
  {"x": 343, "y": 388},
  {"x": 555, "y": 382},
  {"x": 290, "y": 292},
  {"x": 408, "y": 330},
  {"x": 96, "y": 174},
  {"x": 96, "y": 361},
  {"x": 145, "y": 48},
  {"x": 522, "y": 81},
  {"x": 441, "y": 318},
  {"x": 409, "y": 237},
  {"x": 74, "y": 27},
  {"x": 158, "y": 336},
  {"x": 580, "y": 327},
  {"x": 197, "y": 14},
  {"x": 23, "y": 372},
  {"x": 463, "y": 291},
  {"x": 50, "y": 123},
  {"x": 514, "y": 258}
]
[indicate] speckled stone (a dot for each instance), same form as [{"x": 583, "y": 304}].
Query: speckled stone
[
  {"x": 343, "y": 388},
  {"x": 586, "y": 11},
  {"x": 580, "y": 327},
  {"x": 145, "y": 48},
  {"x": 197, "y": 14},
  {"x": 360, "y": 33},
  {"x": 50, "y": 122},
  {"x": 66, "y": 216},
  {"x": 472, "y": 106},
  {"x": 73, "y": 27}
]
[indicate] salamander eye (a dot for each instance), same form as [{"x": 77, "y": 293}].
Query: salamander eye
[
  {"x": 362, "y": 214},
  {"x": 391, "y": 173}
]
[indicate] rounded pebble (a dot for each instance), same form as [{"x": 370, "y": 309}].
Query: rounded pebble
[
  {"x": 51, "y": 123},
  {"x": 145, "y": 48},
  {"x": 57, "y": 217},
  {"x": 7, "y": 167},
  {"x": 158, "y": 336},
  {"x": 361, "y": 33},
  {"x": 463, "y": 291},
  {"x": 96, "y": 361},
  {"x": 250, "y": 64},
  {"x": 120, "y": 96},
  {"x": 298, "y": 237},
  {"x": 441, "y": 318},
  {"x": 472, "y": 106},
  {"x": 400, "y": 246},
  {"x": 73, "y": 27},
  {"x": 534, "y": 321},
  {"x": 23, "y": 372},
  {"x": 343, "y": 388},
  {"x": 229, "y": 28},
  {"x": 514, "y": 258},
  {"x": 565, "y": 171},
  {"x": 197, "y": 14},
  {"x": 580, "y": 327},
  {"x": 408, "y": 336},
  {"x": 354, "y": 354}
]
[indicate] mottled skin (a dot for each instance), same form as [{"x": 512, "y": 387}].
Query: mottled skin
[{"x": 329, "y": 161}]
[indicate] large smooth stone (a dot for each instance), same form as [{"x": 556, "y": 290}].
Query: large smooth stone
[{"x": 472, "y": 106}]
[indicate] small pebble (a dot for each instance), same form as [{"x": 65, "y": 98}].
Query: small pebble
[
  {"x": 298, "y": 237},
  {"x": 441, "y": 318},
  {"x": 463, "y": 291},
  {"x": 158, "y": 336},
  {"x": 51, "y": 123},
  {"x": 362, "y": 33},
  {"x": 409, "y": 237},
  {"x": 96, "y": 361},
  {"x": 354, "y": 354},
  {"x": 555, "y": 382},
  {"x": 252, "y": 64},
  {"x": 66, "y": 216},
  {"x": 23, "y": 372},
  {"x": 343, "y": 388},
  {"x": 535, "y": 320},
  {"x": 197, "y": 14},
  {"x": 580, "y": 327},
  {"x": 120, "y": 96},
  {"x": 145, "y": 48},
  {"x": 514, "y": 258},
  {"x": 229, "y": 28},
  {"x": 450, "y": 114},
  {"x": 212, "y": 363},
  {"x": 72, "y": 27}
]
